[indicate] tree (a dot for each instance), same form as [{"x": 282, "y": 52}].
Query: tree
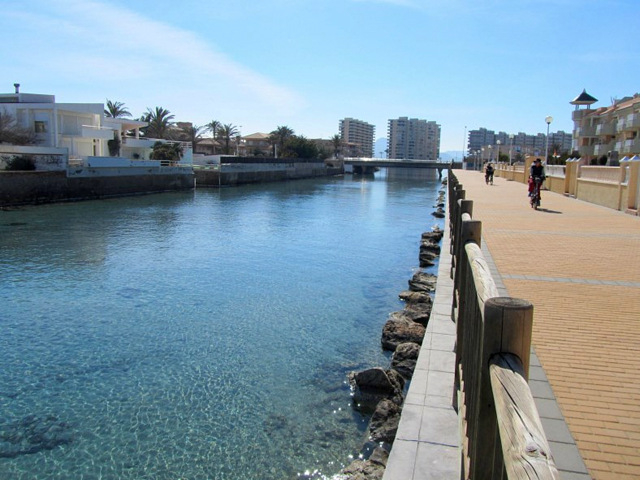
[
  {"x": 116, "y": 110},
  {"x": 336, "y": 140},
  {"x": 13, "y": 134},
  {"x": 279, "y": 137},
  {"x": 213, "y": 126},
  {"x": 299, "y": 147},
  {"x": 160, "y": 122},
  {"x": 192, "y": 134},
  {"x": 225, "y": 132},
  {"x": 166, "y": 151}
]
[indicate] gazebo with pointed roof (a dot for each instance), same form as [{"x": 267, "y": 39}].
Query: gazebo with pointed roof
[{"x": 583, "y": 99}]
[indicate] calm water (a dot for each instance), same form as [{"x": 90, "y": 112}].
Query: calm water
[{"x": 199, "y": 335}]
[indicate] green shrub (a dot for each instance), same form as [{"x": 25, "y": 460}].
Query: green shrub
[{"x": 23, "y": 162}]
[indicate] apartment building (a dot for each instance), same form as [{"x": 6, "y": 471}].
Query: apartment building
[
  {"x": 359, "y": 136},
  {"x": 606, "y": 134},
  {"x": 521, "y": 142},
  {"x": 413, "y": 139}
]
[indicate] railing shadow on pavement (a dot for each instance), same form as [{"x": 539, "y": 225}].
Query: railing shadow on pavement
[{"x": 500, "y": 428}]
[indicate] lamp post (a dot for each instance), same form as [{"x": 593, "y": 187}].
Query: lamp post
[
  {"x": 548, "y": 119},
  {"x": 498, "y": 151},
  {"x": 510, "y": 147}
]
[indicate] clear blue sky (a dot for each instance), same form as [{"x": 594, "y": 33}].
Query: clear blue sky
[{"x": 500, "y": 64}]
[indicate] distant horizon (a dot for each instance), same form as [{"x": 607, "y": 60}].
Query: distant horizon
[{"x": 305, "y": 65}]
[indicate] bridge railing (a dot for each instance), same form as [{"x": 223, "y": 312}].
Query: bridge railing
[{"x": 500, "y": 426}]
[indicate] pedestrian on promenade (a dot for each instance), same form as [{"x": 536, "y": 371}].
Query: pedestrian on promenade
[
  {"x": 536, "y": 171},
  {"x": 488, "y": 173}
]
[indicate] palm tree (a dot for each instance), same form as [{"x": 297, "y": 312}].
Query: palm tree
[
  {"x": 279, "y": 137},
  {"x": 213, "y": 126},
  {"x": 159, "y": 122},
  {"x": 225, "y": 132},
  {"x": 193, "y": 134},
  {"x": 116, "y": 110},
  {"x": 336, "y": 140}
]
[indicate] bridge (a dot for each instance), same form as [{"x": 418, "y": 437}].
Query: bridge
[{"x": 369, "y": 165}]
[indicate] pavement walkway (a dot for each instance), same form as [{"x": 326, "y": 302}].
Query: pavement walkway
[{"x": 579, "y": 265}]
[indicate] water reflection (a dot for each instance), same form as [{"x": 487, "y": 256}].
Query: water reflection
[{"x": 203, "y": 334}]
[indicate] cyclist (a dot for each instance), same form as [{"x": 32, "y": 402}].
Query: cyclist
[
  {"x": 536, "y": 172},
  {"x": 488, "y": 174}
]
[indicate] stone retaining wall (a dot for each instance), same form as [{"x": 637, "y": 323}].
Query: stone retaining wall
[{"x": 23, "y": 188}]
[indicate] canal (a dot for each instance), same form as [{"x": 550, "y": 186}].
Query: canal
[{"x": 200, "y": 335}]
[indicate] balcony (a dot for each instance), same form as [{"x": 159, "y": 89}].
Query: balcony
[
  {"x": 91, "y": 131},
  {"x": 138, "y": 142},
  {"x": 603, "y": 148},
  {"x": 587, "y": 131},
  {"x": 631, "y": 146},
  {"x": 632, "y": 121},
  {"x": 605, "y": 129},
  {"x": 585, "y": 150}
]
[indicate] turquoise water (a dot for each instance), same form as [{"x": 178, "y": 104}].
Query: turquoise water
[{"x": 199, "y": 335}]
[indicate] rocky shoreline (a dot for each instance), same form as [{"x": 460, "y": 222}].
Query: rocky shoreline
[{"x": 380, "y": 391}]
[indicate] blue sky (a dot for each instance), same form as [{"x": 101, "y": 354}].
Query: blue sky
[{"x": 500, "y": 64}]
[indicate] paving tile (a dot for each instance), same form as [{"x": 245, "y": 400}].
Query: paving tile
[
  {"x": 402, "y": 460},
  {"x": 566, "y": 458},
  {"x": 410, "y": 422},
  {"x": 436, "y": 462},
  {"x": 556, "y": 430},
  {"x": 439, "y": 426},
  {"x": 548, "y": 409}
]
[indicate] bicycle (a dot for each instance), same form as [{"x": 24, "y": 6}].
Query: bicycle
[
  {"x": 488, "y": 177},
  {"x": 535, "y": 193}
]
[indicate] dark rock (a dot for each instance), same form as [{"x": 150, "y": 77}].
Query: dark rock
[
  {"x": 362, "y": 470},
  {"x": 429, "y": 246},
  {"x": 380, "y": 456},
  {"x": 415, "y": 297},
  {"x": 423, "y": 282},
  {"x": 375, "y": 384},
  {"x": 32, "y": 434},
  {"x": 438, "y": 213},
  {"x": 416, "y": 312},
  {"x": 384, "y": 422},
  {"x": 404, "y": 359},
  {"x": 427, "y": 258},
  {"x": 435, "y": 235},
  {"x": 401, "y": 330}
]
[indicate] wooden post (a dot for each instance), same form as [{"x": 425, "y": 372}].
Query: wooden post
[
  {"x": 459, "y": 194},
  {"x": 525, "y": 449},
  {"x": 470, "y": 230},
  {"x": 507, "y": 328}
]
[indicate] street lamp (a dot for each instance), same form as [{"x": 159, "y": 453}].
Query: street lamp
[
  {"x": 549, "y": 119},
  {"x": 498, "y": 151},
  {"x": 510, "y": 147}
]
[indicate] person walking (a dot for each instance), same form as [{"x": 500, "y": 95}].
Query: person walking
[{"x": 488, "y": 173}]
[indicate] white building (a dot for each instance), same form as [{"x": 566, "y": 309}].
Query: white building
[
  {"x": 413, "y": 139},
  {"x": 80, "y": 128},
  {"x": 358, "y": 137}
]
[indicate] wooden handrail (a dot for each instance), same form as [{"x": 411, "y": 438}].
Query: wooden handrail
[
  {"x": 493, "y": 344},
  {"x": 525, "y": 448}
]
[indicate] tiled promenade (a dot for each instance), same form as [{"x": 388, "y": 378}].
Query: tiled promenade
[{"x": 579, "y": 264}]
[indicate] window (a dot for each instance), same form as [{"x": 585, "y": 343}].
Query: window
[{"x": 40, "y": 126}]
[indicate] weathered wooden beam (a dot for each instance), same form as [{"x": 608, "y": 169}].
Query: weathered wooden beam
[
  {"x": 525, "y": 449},
  {"x": 507, "y": 327}
]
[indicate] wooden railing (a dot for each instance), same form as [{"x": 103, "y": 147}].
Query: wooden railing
[{"x": 500, "y": 427}]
